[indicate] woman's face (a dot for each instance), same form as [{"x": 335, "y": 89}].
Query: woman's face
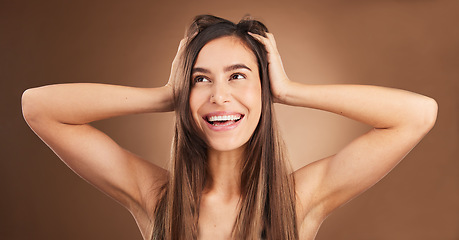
[{"x": 225, "y": 98}]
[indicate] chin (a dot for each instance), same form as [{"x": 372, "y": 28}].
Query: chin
[{"x": 225, "y": 146}]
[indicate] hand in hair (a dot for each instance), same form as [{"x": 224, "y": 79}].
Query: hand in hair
[
  {"x": 176, "y": 64},
  {"x": 399, "y": 120},
  {"x": 277, "y": 75}
]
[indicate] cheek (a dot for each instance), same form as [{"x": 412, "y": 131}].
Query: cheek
[
  {"x": 251, "y": 95},
  {"x": 256, "y": 95},
  {"x": 195, "y": 102}
]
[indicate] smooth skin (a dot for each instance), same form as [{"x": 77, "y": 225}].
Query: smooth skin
[
  {"x": 226, "y": 80},
  {"x": 60, "y": 116}
]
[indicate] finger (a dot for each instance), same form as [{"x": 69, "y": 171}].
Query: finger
[
  {"x": 184, "y": 41},
  {"x": 268, "y": 41},
  {"x": 258, "y": 37},
  {"x": 271, "y": 39},
  {"x": 261, "y": 39},
  {"x": 181, "y": 44},
  {"x": 180, "y": 51}
]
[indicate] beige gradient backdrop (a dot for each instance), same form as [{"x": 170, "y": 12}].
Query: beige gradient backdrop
[{"x": 411, "y": 45}]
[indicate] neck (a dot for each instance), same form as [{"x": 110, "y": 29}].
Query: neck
[{"x": 225, "y": 172}]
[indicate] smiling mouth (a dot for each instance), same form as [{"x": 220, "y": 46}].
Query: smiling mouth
[{"x": 224, "y": 120}]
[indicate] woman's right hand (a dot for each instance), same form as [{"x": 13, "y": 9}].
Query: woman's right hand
[{"x": 176, "y": 64}]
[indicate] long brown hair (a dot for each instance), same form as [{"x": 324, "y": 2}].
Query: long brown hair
[{"x": 267, "y": 205}]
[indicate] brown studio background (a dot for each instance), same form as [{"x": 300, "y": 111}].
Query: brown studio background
[{"x": 411, "y": 45}]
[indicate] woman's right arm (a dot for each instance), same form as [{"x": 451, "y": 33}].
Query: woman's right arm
[{"x": 59, "y": 115}]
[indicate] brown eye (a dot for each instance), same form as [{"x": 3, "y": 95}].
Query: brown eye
[
  {"x": 237, "y": 76},
  {"x": 201, "y": 79}
]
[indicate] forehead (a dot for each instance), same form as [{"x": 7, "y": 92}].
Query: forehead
[{"x": 225, "y": 51}]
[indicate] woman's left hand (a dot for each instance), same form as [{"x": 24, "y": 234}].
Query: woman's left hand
[{"x": 278, "y": 77}]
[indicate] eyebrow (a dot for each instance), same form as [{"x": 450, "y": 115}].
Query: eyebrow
[{"x": 226, "y": 69}]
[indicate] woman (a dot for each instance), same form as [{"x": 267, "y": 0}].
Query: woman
[{"x": 229, "y": 178}]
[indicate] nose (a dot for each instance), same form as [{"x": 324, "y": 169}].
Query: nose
[{"x": 221, "y": 93}]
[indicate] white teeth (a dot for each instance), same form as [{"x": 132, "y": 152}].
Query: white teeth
[{"x": 224, "y": 118}]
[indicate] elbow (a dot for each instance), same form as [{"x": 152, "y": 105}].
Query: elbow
[
  {"x": 25, "y": 104},
  {"x": 29, "y": 105},
  {"x": 428, "y": 114}
]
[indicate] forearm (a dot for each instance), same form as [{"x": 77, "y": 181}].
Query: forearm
[
  {"x": 376, "y": 106},
  {"x": 81, "y": 103}
]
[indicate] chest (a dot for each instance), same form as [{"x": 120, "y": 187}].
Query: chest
[{"x": 216, "y": 219}]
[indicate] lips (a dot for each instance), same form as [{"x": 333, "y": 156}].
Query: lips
[{"x": 223, "y": 120}]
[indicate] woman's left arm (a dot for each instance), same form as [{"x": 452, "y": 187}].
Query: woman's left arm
[{"x": 400, "y": 119}]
